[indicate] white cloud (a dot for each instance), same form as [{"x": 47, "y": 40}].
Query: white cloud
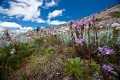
[
  {"x": 50, "y": 4},
  {"x": 9, "y": 25},
  {"x": 27, "y": 9},
  {"x": 56, "y": 22},
  {"x": 25, "y": 28},
  {"x": 38, "y": 20},
  {"x": 19, "y": 28},
  {"x": 55, "y": 13},
  {"x": 19, "y": 31},
  {"x": 22, "y": 30},
  {"x": 1, "y": 29},
  {"x": 2, "y": 10}
]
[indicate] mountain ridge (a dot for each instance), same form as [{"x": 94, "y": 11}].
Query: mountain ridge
[{"x": 103, "y": 14}]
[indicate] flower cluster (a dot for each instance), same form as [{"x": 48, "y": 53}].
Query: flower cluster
[
  {"x": 93, "y": 17},
  {"x": 12, "y": 51},
  {"x": 79, "y": 41},
  {"x": 107, "y": 68},
  {"x": 78, "y": 23},
  {"x": 84, "y": 22},
  {"x": 116, "y": 25},
  {"x": 105, "y": 50}
]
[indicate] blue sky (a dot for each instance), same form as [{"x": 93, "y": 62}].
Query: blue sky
[{"x": 34, "y": 13}]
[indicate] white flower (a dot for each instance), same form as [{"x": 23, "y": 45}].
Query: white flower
[
  {"x": 101, "y": 26},
  {"x": 87, "y": 27},
  {"x": 12, "y": 51},
  {"x": 67, "y": 29},
  {"x": 115, "y": 24},
  {"x": 118, "y": 28}
]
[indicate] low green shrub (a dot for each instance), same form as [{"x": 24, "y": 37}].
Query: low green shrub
[
  {"x": 13, "y": 60},
  {"x": 39, "y": 41},
  {"x": 52, "y": 40},
  {"x": 49, "y": 50},
  {"x": 81, "y": 70}
]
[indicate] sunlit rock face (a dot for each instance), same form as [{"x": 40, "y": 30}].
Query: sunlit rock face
[
  {"x": 4, "y": 43},
  {"x": 8, "y": 36},
  {"x": 105, "y": 13}
]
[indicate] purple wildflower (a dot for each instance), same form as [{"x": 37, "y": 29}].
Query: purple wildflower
[
  {"x": 86, "y": 22},
  {"x": 93, "y": 17},
  {"x": 91, "y": 22},
  {"x": 55, "y": 32},
  {"x": 81, "y": 22},
  {"x": 105, "y": 50},
  {"x": 109, "y": 51},
  {"x": 79, "y": 30},
  {"x": 107, "y": 68},
  {"x": 79, "y": 41},
  {"x": 76, "y": 24},
  {"x": 100, "y": 49}
]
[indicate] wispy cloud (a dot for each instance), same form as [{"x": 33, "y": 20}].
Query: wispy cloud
[
  {"x": 56, "y": 22},
  {"x": 9, "y": 25},
  {"x": 50, "y": 4},
  {"x": 39, "y": 20},
  {"x": 25, "y": 28},
  {"x": 55, "y": 13}
]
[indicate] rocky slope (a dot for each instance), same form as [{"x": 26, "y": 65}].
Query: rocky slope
[
  {"x": 108, "y": 15},
  {"x": 107, "y": 12}
]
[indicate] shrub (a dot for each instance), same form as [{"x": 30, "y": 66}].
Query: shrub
[
  {"x": 74, "y": 67},
  {"x": 13, "y": 61},
  {"x": 25, "y": 50},
  {"x": 52, "y": 40},
  {"x": 82, "y": 70},
  {"x": 49, "y": 50},
  {"x": 69, "y": 51},
  {"x": 4, "y": 55},
  {"x": 39, "y": 41},
  {"x": 65, "y": 37}
]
